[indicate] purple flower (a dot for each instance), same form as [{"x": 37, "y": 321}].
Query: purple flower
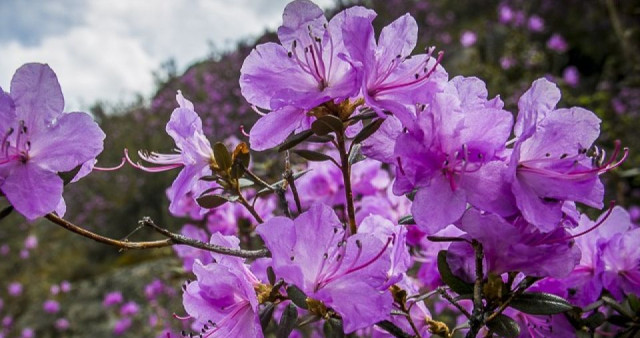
[
  {"x": 39, "y": 141},
  {"x": 536, "y": 23},
  {"x": 65, "y": 286},
  {"x": 27, "y": 332},
  {"x": 549, "y": 164},
  {"x": 121, "y": 326},
  {"x": 512, "y": 246},
  {"x": 455, "y": 157},
  {"x": 195, "y": 153},
  {"x": 153, "y": 289},
  {"x": 112, "y": 298},
  {"x": 344, "y": 273},
  {"x": 15, "y": 289},
  {"x": 468, "y": 38},
  {"x": 31, "y": 242},
  {"x": 571, "y": 76},
  {"x": 51, "y": 306},
  {"x": 505, "y": 14},
  {"x": 54, "y": 289},
  {"x": 222, "y": 300},
  {"x": 302, "y": 72},
  {"x": 62, "y": 324},
  {"x": 7, "y": 321},
  {"x": 557, "y": 43},
  {"x": 130, "y": 308},
  {"x": 507, "y": 62},
  {"x": 392, "y": 79}
]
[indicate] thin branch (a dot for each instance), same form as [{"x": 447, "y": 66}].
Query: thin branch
[
  {"x": 476, "y": 320},
  {"x": 393, "y": 329},
  {"x": 106, "y": 240},
  {"x": 249, "y": 207},
  {"x": 453, "y": 302},
  {"x": 346, "y": 175},
  {"x": 180, "y": 239},
  {"x": 172, "y": 239},
  {"x": 288, "y": 175},
  {"x": 522, "y": 286}
]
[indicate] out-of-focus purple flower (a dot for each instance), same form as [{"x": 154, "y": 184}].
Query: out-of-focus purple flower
[
  {"x": 536, "y": 23},
  {"x": 24, "y": 254},
  {"x": 392, "y": 78},
  {"x": 122, "y": 325},
  {"x": 634, "y": 213},
  {"x": 62, "y": 324},
  {"x": 618, "y": 106},
  {"x": 112, "y": 298},
  {"x": 153, "y": 289},
  {"x": 65, "y": 286},
  {"x": 621, "y": 259},
  {"x": 27, "y": 332},
  {"x": 51, "y": 306},
  {"x": 15, "y": 289},
  {"x": 130, "y": 308},
  {"x": 345, "y": 273},
  {"x": 39, "y": 141},
  {"x": 7, "y": 321},
  {"x": 557, "y": 43},
  {"x": 31, "y": 242},
  {"x": 455, "y": 157},
  {"x": 505, "y": 14},
  {"x": 468, "y": 38},
  {"x": 4, "y": 249},
  {"x": 223, "y": 294},
  {"x": 195, "y": 153},
  {"x": 302, "y": 72},
  {"x": 54, "y": 289},
  {"x": 571, "y": 76},
  {"x": 512, "y": 246},
  {"x": 507, "y": 62}
]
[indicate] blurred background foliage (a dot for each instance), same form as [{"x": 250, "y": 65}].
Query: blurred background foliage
[{"x": 506, "y": 43}]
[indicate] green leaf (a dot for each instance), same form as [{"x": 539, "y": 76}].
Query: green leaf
[
  {"x": 326, "y": 124},
  {"x": 321, "y": 139},
  {"x": 356, "y": 155},
  {"x": 634, "y": 303},
  {"x": 595, "y": 319},
  {"x": 214, "y": 201},
  {"x": 333, "y": 328},
  {"x": 456, "y": 284},
  {"x": 407, "y": 220},
  {"x": 368, "y": 130},
  {"x": 209, "y": 178},
  {"x": 265, "y": 314},
  {"x": 540, "y": 303},
  {"x": 297, "y": 296},
  {"x": 287, "y": 321},
  {"x": 294, "y": 140},
  {"x": 271, "y": 275},
  {"x": 504, "y": 326},
  {"x": 312, "y": 155},
  {"x": 222, "y": 156}
]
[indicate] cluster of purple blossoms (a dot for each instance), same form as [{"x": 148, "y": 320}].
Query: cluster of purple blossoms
[{"x": 451, "y": 180}]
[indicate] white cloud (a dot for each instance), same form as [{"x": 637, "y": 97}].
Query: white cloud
[{"x": 111, "y": 54}]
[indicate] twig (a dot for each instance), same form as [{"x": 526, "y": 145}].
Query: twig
[
  {"x": 288, "y": 175},
  {"x": 393, "y": 329},
  {"x": 172, "y": 239},
  {"x": 106, "y": 240},
  {"x": 522, "y": 286},
  {"x": 346, "y": 175},
  {"x": 476, "y": 320},
  {"x": 180, "y": 239},
  {"x": 249, "y": 207},
  {"x": 443, "y": 292}
]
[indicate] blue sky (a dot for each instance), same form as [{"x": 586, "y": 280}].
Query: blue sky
[{"x": 108, "y": 49}]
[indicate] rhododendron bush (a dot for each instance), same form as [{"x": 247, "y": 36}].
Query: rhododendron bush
[{"x": 410, "y": 202}]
